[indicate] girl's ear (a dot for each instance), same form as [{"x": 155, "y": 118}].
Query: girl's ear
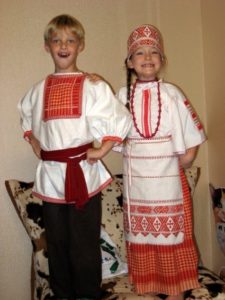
[{"x": 129, "y": 63}]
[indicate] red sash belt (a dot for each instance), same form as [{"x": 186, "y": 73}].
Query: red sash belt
[{"x": 75, "y": 185}]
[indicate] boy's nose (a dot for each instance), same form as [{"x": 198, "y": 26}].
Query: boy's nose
[{"x": 63, "y": 45}]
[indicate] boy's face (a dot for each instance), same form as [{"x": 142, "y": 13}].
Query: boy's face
[{"x": 64, "y": 47}]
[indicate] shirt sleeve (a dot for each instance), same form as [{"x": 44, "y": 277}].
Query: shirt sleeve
[
  {"x": 108, "y": 118},
  {"x": 190, "y": 126},
  {"x": 25, "y": 109}
]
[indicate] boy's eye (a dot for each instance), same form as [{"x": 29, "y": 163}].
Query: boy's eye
[{"x": 55, "y": 41}]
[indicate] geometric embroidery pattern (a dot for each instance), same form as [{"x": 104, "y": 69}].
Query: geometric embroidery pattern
[
  {"x": 193, "y": 114},
  {"x": 156, "y": 220},
  {"x": 63, "y": 97}
]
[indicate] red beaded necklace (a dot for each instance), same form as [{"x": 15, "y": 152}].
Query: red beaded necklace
[{"x": 133, "y": 113}]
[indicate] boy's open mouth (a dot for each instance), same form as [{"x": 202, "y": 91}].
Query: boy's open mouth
[{"x": 63, "y": 55}]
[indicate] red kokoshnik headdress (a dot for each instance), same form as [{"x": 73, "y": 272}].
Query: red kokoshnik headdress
[{"x": 145, "y": 35}]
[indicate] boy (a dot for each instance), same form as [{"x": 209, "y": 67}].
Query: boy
[{"x": 61, "y": 117}]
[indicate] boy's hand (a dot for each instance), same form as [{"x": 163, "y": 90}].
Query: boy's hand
[{"x": 35, "y": 144}]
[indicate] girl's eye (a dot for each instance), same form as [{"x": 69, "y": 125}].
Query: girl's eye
[
  {"x": 139, "y": 53},
  {"x": 71, "y": 41},
  {"x": 155, "y": 52}
]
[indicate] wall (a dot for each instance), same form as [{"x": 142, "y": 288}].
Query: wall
[
  {"x": 214, "y": 66},
  {"x": 187, "y": 27}
]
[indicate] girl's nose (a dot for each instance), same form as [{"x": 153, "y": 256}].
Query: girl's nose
[{"x": 148, "y": 55}]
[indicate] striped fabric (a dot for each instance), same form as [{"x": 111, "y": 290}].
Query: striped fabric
[
  {"x": 63, "y": 96},
  {"x": 193, "y": 114},
  {"x": 168, "y": 270}
]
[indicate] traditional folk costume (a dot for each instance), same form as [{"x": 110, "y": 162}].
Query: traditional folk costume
[
  {"x": 162, "y": 256},
  {"x": 66, "y": 113}
]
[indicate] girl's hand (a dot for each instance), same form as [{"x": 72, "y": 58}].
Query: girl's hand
[
  {"x": 95, "y": 78},
  {"x": 187, "y": 159},
  {"x": 94, "y": 154}
]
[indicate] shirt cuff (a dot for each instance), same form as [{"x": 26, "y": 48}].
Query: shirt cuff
[{"x": 27, "y": 135}]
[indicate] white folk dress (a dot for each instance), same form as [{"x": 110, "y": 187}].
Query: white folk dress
[
  {"x": 157, "y": 207},
  {"x": 66, "y": 111}
]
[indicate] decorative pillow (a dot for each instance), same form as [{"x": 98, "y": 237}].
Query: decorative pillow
[
  {"x": 212, "y": 287},
  {"x": 218, "y": 207},
  {"x": 111, "y": 263},
  {"x": 29, "y": 209},
  {"x": 112, "y": 213},
  {"x": 192, "y": 175}
]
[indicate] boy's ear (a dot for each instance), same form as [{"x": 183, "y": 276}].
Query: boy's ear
[
  {"x": 81, "y": 46},
  {"x": 46, "y": 47}
]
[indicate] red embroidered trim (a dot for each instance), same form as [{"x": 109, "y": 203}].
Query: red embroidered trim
[
  {"x": 167, "y": 176},
  {"x": 150, "y": 157},
  {"x": 56, "y": 200},
  {"x": 63, "y": 96},
  {"x": 27, "y": 133},
  {"x": 169, "y": 201},
  {"x": 134, "y": 117},
  {"x": 163, "y": 138},
  {"x": 112, "y": 138},
  {"x": 147, "y": 112},
  {"x": 101, "y": 187},
  {"x": 193, "y": 114}
]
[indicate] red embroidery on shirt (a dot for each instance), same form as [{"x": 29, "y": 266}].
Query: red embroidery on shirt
[
  {"x": 146, "y": 112},
  {"x": 193, "y": 114},
  {"x": 63, "y": 97}
]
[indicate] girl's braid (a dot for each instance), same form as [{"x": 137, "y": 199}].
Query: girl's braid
[{"x": 129, "y": 77}]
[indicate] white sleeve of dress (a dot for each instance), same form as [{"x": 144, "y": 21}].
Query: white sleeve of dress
[
  {"x": 25, "y": 109},
  {"x": 122, "y": 96},
  {"x": 193, "y": 131},
  {"x": 108, "y": 118}
]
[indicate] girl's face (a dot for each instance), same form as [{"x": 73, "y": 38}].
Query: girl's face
[
  {"x": 146, "y": 62},
  {"x": 64, "y": 47}
]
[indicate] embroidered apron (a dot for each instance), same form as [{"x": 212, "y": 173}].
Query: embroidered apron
[{"x": 153, "y": 200}]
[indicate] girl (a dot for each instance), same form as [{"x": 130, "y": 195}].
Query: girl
[{"x": 164, "y": 139}]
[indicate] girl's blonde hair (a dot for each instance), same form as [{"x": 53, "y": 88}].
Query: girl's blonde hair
[{"x": 61, "y": 22}]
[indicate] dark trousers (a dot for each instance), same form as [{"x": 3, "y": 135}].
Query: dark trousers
[{"x": 74, "y": 249}]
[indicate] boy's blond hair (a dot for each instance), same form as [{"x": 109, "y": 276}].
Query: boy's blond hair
[{"x": 61, "y": 22}]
